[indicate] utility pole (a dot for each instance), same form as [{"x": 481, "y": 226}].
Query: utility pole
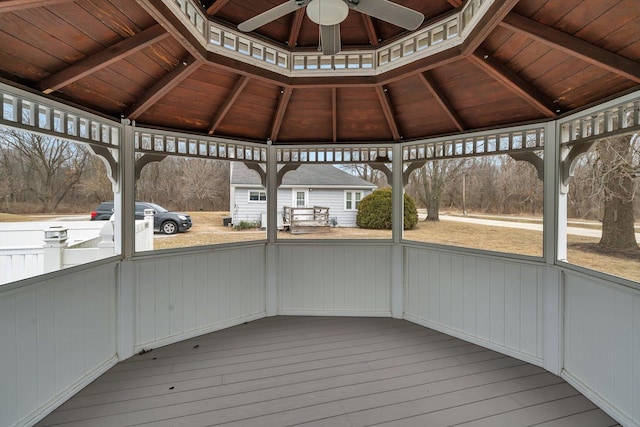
[{"x": 464, "y": 194}]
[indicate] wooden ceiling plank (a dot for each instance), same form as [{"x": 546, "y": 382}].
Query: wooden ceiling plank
[
  {"x": 496, "y": 13},
  {"x": 285, "y": 96},
  {"x": 216, "y": 6},
  {"x": 228, "y": 103},
  {"x": 334, "y": 113},
  {"x": 13, "y": 5},
  {"x": 442, "y": 100},
  {"x": 162, "y": 87},
  {"x": 515, "y": 83},
  {"x": 385, "y": 103},
  {"x": 573, "y": 46},
  {"x": 370, "y": 29},
  {"x": 103, "y": 58},
  {"x": 296, "y": 24},
  {"x": 455, "y": 3}
]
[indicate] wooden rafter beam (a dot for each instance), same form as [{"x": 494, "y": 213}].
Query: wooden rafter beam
[
  {"x": 216, "y": 6},
  {"x": 162, "y": 87},
  {"x": 496, "y": 13},
  {"x": 296, "y": 24},
  {"x": 334, "y": 113},
  {"x": 285, "y": 96},
  {"x": 370, "y": 29},
  {"x": 455, "y": 3},
  {"x": 13, "y": 5},
  {"x": 442, "y": 100},
  {"x": 228, "y": 103},
  {"x": 175, "y": 27},
  {"x": 103, "y": 58},
  {"x": 439, "y": 59},
  {"x": 515, "y": 83},
  {"x": 573, "y": 46},
  {"x": 385, "y": 103}
]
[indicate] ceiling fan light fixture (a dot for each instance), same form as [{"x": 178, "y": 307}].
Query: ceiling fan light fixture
[{"x": 327, "y": 12}]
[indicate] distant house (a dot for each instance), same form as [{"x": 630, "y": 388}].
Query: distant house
[{"x": 307, "y": 186}]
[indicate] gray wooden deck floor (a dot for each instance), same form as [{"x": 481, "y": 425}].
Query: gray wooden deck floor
[{"x": 327, "y": 371}]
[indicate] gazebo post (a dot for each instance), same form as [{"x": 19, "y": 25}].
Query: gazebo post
[
  {"x": 271, "y": 287},
  {"x": 397, "y": 221}
]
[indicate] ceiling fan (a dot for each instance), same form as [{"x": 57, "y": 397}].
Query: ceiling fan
[{"x": 330, "y": 13}]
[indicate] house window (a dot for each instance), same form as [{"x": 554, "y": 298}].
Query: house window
[
  {"x": 257, "y": 196},
  {"x": 301, "y": 199},
  {"x": 352, "y": 200}
]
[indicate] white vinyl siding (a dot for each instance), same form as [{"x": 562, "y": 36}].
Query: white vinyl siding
[{"x": 243, "y": 209}]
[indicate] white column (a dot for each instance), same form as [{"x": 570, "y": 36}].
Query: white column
[
  {"x": 271, "y": 262},
  {"x": 554, "y": 232},
  {"x": 124, "y": 205},
  {"x": 397, "y": 220},
  {"x": 124, "y": 225}
]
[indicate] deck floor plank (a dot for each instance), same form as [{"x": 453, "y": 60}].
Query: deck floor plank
[{"x": 326, "y": 371}]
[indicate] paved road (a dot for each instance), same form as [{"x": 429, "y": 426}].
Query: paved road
[{"x": 577, "y": 231}]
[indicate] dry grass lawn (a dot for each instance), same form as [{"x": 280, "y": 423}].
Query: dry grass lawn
[{"x": 208, "y": 230}]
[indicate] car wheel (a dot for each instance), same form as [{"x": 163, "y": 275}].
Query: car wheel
[{"x": 169, "y": 227}]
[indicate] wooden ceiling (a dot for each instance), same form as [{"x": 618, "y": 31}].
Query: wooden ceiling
[{"x": 528, "y": 60}]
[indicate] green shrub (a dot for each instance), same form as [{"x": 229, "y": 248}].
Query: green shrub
[
  {"x": 246, "y": 225},
  {"x": 374, "y": 211}
]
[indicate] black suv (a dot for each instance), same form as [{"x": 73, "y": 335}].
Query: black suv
[{"x": 163, "y": 220}]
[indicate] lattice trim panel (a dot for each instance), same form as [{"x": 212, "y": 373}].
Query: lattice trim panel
[
  {"x": 441, "y": 35},
  {"x": 146, "y": 141},
  {"x": 32, "y": 113},
  {"x": 498, "y": 142},
  {"x": 608, "y": 119}
]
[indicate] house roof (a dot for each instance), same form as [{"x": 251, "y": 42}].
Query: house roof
[{"x": 305, "y": 175}]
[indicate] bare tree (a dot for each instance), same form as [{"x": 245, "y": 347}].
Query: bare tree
[
  {"x": 207, "y": 183},
  {"x": 185, "y": 183},
  {"x": 366, "y": 172},
  {"x": 48, "y": 168},
  {"x": 618, "y": 163},
  {"x": 432, "y": 179}
]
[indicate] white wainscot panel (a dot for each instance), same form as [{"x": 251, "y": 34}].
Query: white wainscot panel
[
  {"x": 184, "y": 295},
  {"x": 602, "y": 344},
  {"x": 334, "y": 279},
  {"x": 491, "y": 302},
  {"x": 56, "y": 336}
]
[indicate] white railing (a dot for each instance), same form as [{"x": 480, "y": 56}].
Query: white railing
[
  {"x": 427, "y": 41},
  {"x": 30, "y": 234},
  {"x": 619, "y": 116},
  {"x": 144, "y": 235},
  {"x": 20, "y": 263},
  {"x": 24, "y": 253}
]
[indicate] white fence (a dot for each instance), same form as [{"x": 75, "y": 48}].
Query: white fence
[{"x": 23, "y": 252}]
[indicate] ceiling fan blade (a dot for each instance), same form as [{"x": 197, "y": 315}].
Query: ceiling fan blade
[
  {"x": 389, "y": 12},
  {"x": 330, "y": 39},
  {"x": 271, "y": 15}
]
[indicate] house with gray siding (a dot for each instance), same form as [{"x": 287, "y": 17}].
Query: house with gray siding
[{"x": 307, "y": 186}]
